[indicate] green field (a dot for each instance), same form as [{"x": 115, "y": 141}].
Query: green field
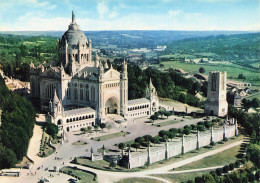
[
  {"x": 232, "y": 70},
  {"x": 84, "y": 176},
  {"x": 182, "y": 177},
  {"x": 110, "y": 136},
  {"x": 220, "y": 159},
  {"x": 166, "y": 123},
  {"x": 138, "y": 180}
]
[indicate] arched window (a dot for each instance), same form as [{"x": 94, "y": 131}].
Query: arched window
[
  {"x": 68, "y": 120},
  {"x": 49, "y": 91},
  {"x": 68, "y": 92},
  {"x": 93, "y": 94}
]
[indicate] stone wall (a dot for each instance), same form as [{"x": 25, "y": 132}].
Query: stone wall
[{"x": 175, "y": 148}]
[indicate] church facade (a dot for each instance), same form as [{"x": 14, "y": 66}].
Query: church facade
[{"x": 80, "y": 90}]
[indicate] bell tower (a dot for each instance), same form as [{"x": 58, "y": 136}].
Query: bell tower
[{"x": 216, "y": 103}]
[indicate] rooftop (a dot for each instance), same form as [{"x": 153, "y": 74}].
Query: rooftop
[
  {"x": 79, "y": 111},
  {"x": 138, "y": 101}
]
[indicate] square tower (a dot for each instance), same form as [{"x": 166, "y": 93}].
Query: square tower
[{"x": 216, "y": 103}]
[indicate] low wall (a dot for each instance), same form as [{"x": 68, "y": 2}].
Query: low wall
[{"x": 176, "y": 148}]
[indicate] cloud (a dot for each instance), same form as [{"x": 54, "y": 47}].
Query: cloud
[
  {"x": 174, "y": 12},
  {"x": 102, "y": 9}
]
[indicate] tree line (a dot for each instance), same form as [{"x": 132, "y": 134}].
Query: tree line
[{"x": 18, "y": 120}]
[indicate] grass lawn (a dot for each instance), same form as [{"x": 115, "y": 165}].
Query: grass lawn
[
  {"x": 138, "y": 180},
  {"x": 79, "y": 143},
  {"x": 84, "y": 176},
  {"x": 166, "y": 123},
  {"x": 254, "y": 96},
  {"x": 222, "y": 158},
  {"x": 99, "y": 164},
  {"x": 110, "y": 136},
  {"x": 182, "y": 177},
  {"x": 232, "y": 70}
]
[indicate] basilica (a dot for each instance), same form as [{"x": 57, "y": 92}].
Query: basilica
[{"x": 80, "y": 90}]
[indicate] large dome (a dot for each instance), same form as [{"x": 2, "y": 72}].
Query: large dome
[{"x": 74, "y": 36}]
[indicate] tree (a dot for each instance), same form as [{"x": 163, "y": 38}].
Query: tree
[
  {"x": 226, "y": 169},
  {"x": 147, "y": 138},
  {"x": 112, "y": 165},
  {"x": 89, "y": 129},
  {"x": 154, "y": 117},
  {"x": 171, "y": 135},
  {"x": 186, "y": 131},
  {"x": 174, "y": 130},
  {"x": 219, "y": 171},
  {"x": 103, "y": 125},
  {"x": 51, "y": 129},
  {"x": 121, "y": 146},
  {"x": 182, "y": 98},
  {"x": 140, "y": 140},
  {"x": 108, "y": 127},
  {"x": 83, "y": 130},
  {"x": 241, "y": 76},
  {"x": 180, "y": 131},
  {"x": 162, "y": 133},
  {"x": 161, "y": 113},
  {"x": 208, "y": 124},
  {"x": 200, "y": 127},
  {"x": 155, "y": 140},
  {"x": 136, "y": 145},
  {"x": 202, "y": 70},
  {"x": 167, "y": 114}
]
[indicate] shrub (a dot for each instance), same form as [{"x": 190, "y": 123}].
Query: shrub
[
  {"x": 213, "y": 143},
  {"x": 243, "y": 160},
  {"x": 198, "y": 179},
  {"x": 201, "y": 127},
  {"x": 189, "y": 181},
  {"x": 251, "y": 177},
  {"x": 174, "y": 130},
  {"x": 180, "y": 130},
  {"x": 226, "y": 169},
  {"x": 231, "y": 166},
  {"x": 201, "y": 123},
  {"x": 237, "y": 163},
  {"x": 193, "y": 127},
  {"x": 257, "y": 175},
  {"x": 219, "y": 171},
  {"x": 225, "y": 139}
]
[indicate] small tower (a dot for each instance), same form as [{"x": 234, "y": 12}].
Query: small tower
[
  {"x": 123, "y": 90},
  {"x": 57, "y": 108},
  {"x": 151, "y": 94},
  {"x": 97, "y": 61},
  {"x": 216, "y": 103}
]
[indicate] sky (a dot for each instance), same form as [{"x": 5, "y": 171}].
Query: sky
[{"x": 55, "y": 15}]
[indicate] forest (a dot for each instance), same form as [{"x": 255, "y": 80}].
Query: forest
[
  {"x": 18, "y": 119},
  {"x": 169, "y": 84},
  {"x": 17, "y": 52}
]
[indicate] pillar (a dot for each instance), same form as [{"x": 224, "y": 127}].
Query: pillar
[
  {"x": 182, "y": 148},
  {"x": 92, "y": 155},
  {"x": 166, "y": 150},
  {"x": 236, "y": 130},
  {"x": 224, "y": 130},
  {"x": 129, "y": 158},
  {"x": 103, "y": 151},
  {"x": 211, "y": 138},
  {"x": 149, "y": 151},
  {"x": 198, "y": 139}
]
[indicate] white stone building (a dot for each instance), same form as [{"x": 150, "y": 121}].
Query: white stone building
[
  {"x": 80, "y": 91},
  {"x": 216, "y": 103}
]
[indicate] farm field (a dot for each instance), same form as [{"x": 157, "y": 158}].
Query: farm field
[{"x": 232, "y": 70}]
